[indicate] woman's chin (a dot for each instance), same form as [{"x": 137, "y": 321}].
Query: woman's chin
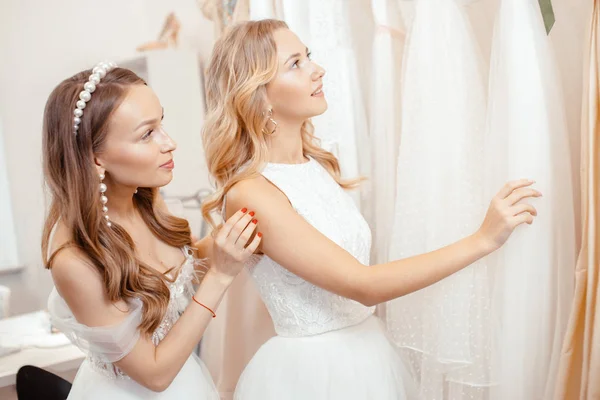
[
  {"x": 320, "y": 110},
  {"x": 160, "y": 181}
]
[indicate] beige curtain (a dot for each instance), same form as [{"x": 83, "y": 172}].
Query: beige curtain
[{"x": 579, "y": 375}]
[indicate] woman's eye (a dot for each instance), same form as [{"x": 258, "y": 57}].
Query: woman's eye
[{"x": 147, "y": 134}]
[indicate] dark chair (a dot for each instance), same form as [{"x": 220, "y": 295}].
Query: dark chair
[{"x": 34, "y": 383}]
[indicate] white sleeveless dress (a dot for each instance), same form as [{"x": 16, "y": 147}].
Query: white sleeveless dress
[
  {"x": 99, "y": 379},
  {"x": 327, "y": 347}
]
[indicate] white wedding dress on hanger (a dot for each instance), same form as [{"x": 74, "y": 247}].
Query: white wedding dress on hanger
[
  {"x": 446, "y": 328},
  {"x": 384, "y": 119},
  {"x": 527, "y": 138}
]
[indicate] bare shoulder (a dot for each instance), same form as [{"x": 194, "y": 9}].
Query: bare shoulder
[
  {"x": 256, "y": 194},
  {"x": 250, "y": 188},
  {"x": 73, "y": 271},
  {"x": 70, "y": 265},
  {"x": 79, "y": 283}
]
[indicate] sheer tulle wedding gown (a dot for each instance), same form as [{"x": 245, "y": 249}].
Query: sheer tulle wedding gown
[
  {"x": 527, "y": 137},
  {"x": 384, "y": 119},
  {"x": 446, "y": 328},
  {"x": 529, "y": 281}
]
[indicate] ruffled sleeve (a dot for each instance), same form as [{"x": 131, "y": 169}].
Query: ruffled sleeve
[{"x": 111, "y": 343}]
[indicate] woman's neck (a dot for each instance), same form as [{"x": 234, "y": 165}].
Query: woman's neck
[
  {"x": 285, "y": 145},
  {"x": 120, "y": 203}
]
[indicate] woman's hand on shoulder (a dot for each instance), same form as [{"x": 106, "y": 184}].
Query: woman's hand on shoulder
[{"x": 234, "y": 243}]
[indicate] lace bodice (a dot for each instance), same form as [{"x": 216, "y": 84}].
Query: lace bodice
[
  {"x": 297, "y": 307},
  {"x": 105, "y": 345}
]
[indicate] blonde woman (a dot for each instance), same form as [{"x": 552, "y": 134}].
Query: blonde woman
[
  {"x": 262, "y": 90},
  {"x": 122, "y": 266}
]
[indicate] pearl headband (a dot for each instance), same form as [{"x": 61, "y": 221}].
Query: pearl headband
[{"x": 85, "y": 95}]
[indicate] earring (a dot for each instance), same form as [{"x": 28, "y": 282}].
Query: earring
[
  {"x": 270, "y": 117},
  {"x": 104, "y": 200},
  {"x": 135, "y": 191}
]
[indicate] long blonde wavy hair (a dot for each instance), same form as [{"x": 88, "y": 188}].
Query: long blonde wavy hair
[
  {"x": 72, "y": 181},
  {"x": 243, "y": 62}
]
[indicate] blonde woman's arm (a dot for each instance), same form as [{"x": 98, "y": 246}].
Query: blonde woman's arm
[{"x": 295, "y": 244}]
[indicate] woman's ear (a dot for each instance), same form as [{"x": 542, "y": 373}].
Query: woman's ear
[{"x": 99, "y": 166}]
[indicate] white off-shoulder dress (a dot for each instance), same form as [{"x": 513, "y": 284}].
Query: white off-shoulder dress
[{"x": 98, "y": 378}]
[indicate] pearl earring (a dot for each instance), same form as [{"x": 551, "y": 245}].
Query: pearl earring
[{"x": 104, "y": 200}]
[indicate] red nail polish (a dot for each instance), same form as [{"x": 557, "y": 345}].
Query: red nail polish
[
  {"x": 252, "y": 213},
  {"x": 244, "y": 209},
  {"x": 259, "y": 234},
  {"x": 254, "y": 221}
]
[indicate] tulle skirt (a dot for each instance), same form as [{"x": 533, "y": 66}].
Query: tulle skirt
[
  {"x": 357, "y": 362},
  {"x": 192, "y": 382}
]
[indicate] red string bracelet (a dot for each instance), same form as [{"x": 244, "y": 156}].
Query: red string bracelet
[{"x": 211, "y": 311}]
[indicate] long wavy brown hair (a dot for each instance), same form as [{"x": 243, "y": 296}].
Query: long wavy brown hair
[
  {"x": 73, "y": 183},
  {"x": 243, "y": 62}
]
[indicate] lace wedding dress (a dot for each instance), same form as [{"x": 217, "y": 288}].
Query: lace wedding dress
[
  {"x": 327, "y": 347},
  {"x": 99, "y": 379}
]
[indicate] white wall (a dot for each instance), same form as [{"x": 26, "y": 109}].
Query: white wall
[
  {"x": 8, "y": 244},
  {"x": 41, "y": 43}
]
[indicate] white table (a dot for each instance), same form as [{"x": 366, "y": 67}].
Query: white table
[
  {"x": 27, "y": 330},
  {"x": 58, "y": 360}
]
